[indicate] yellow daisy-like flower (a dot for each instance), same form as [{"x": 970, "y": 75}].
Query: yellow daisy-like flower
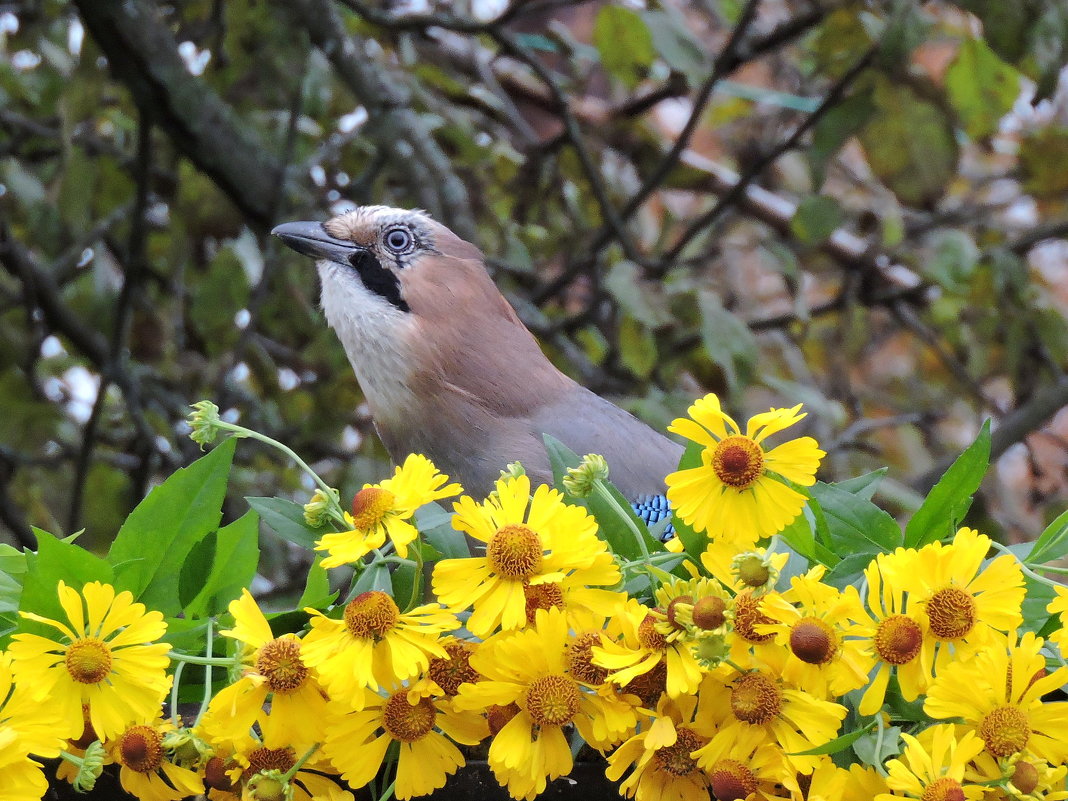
[
  {"x": 1059, "y": 605},
  {"x": 793, "y": 718},
  {"x": 145, "y": 770},
  {"x": 661, "y": 756},
  {"x": 275, "y": 670},
  {"x": 27, "y": 728},
  {"x": 896, "y": 635},
  {"x": 737, "y": 493},
  {"x": 384, "y": 510},
  {"x": 374, "y": 645},
  {"x": 411, "y": 718},
  {"x": 106, "y": 657},
  {"x": 689, "y": 607},
  {"x": 529, "y": 542},
  {"x": 1024, "y": 777},
  {"x": 642, "y": 649},
  {"x": 932, "y": 766},
  {"x": 529, "y": 689},
  {"x": 998, "y": 694},
  {"x": 824, "y": 658},
  {"x": 964, "y": 602},
  {"x": 744, "y": 763}
]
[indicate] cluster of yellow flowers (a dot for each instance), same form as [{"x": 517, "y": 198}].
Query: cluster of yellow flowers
[{"x": 727, "y": 686}]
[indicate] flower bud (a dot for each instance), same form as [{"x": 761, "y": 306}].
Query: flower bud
[
  {"x": 579, "y": 480},
  {"x": 316, "y": 511},
  {"x": 204, "y": 420},
  {"x": 91, "y": 768}
]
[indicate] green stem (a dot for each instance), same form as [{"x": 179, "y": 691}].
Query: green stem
[
  {"x": 654, "y": 559},
  {"x": 624, "y": 514},
  {"x": 1027, "y": 571},
  {"x": 207, "y": 674},
  {"x": 335, "y": 509},
  {"x": 300, "y": 763},
  {"x": 388, "y": 792},
  {"x": 219, "y": 661},
  {"x": 417, "y": 579},
  {"x": 879, "y": 743},
  {"x": 74, "y": 759},
  {"x": 1050, "y": 569},
  {"x": 174, "y": 692}
]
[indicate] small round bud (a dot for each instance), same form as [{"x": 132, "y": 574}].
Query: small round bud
[
  {"x": 204, "y": 420},
  {"x": 579, "y": 480},
  {"x": 268, "y": 786},
  {"x": 317, "y": 510}
]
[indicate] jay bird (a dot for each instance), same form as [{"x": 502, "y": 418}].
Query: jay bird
[{"x": 447, "y": 367}]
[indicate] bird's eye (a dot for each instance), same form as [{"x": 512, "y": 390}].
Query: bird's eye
[{"x": 398, "y": 240}]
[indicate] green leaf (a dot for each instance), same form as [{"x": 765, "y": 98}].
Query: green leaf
[
  {"x": 909, "y": 143},
  {"x": 838, "y": 743},
  {"x": 981, "y": 87},
  {"x": 624, "y": 42},
  {"x": 375, "y": 577},
  {"x": 234, "y": 558},
  {"x": 800, "y": 537},
  {"x": 287, "y": 520},
  {"x": 816, "y": 218},
  {"x": 642, "y": 299},
  {"x": 855, "y": 523},
  {"x": 675, "y": 43},
  {"x": 727, "y": 340},
  {"x": 161, "y": 531},
  {"x": 1052, "y": 543},
  {"x": 317, "y": 593},
  {"x": 53, "y": 562},
  {"x": 949, "y": 500},
  {"x": 863, "y": 486},
  {"x": 435, "y": 524},
  {"x": 874, "y": 748},
  {"x": 637, "y": 347}
]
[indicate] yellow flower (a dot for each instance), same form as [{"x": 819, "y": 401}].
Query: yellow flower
[
  {"x": 26, "y": 728},
  {"x": 741, "y": 567},
  {"x": 384, "y": 510},
  {"x": 793, "y": 718},
  {"x": 145, "y": 771},
  {"x": 106, "y": 657},
  {"x": 737, "y": 492},
  {"x": 530, "y": 670},
  {"x": 273, "y": 669},
  {"x": 998, "y": 694},
  {"x": 744, "y": 763},
  {"x": 932, "y": 766},
  {"x": 823, "y": 658},
  {"x": 548, "y": 543},
  {"x": 374, "y": 644},
  {"x": 661, "y": 755},
  {"x": 1059, "y": 605},
  {"x": 641, "y": 649},
  {"x": 1022, "y": 778},
  {"x": 411, "y": 718},
  {"x": 896, "y": 635},
  {"x": 964, "y": 603}
]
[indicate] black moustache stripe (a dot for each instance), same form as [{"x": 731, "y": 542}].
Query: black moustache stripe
[{"x": 377, "y": 278}]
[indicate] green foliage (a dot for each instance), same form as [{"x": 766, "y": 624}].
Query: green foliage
[
  {"x": 624, "y": 42},
  {"x": 981, "y": 87}
]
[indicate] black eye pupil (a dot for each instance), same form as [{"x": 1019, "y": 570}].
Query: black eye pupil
[{"x": 398, "y": 240}]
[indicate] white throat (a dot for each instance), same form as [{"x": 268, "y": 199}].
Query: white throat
[{"x": 374, "y": 334}]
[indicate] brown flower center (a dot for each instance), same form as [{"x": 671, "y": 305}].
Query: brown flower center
[
  {"x": 649, "y": 637},
  {"x": 649, "y": 686},
  {"x": 952, "y": 613},
  {"x": 731, "y": 780},
  {"x": 450, "y": 673},
  {"x": 944, "y": 789},
  {"x": 515, "y": 552},
  {"x": 370, "y": 506},
  {"x": 755, "y": 699},
  {"x": 813, "y": 641},
  {"x": 542, "y": 596},
  {"x": 675, "y": 759},
  {"x": 371, "y": 614},
  {"x": 672, "y": 610},
  {"x": 710, "y": 613},
  {"x": 1025, "y": 777},
  {"x": 141, "y": 749},
  {"x": 215, "y": 776},
  {"x": 580, "y": 658},
  {"x": 263, "y": 759},
  {"x": 738, "y": 461},
  {"x": 88, "y": 660},
  {"x": 280, "y": 663},
  {"x": 552, "y": 700},
  {"x": 497, "y": 717},
  {"x": 898, "y": 639},
  {"x": 1005, "y": 731},
  {"x": 407, "y": 722},
  {"x": 747, "y": 615}
]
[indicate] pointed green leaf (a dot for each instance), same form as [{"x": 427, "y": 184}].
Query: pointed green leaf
[
  {"x": 317, "y": 593},
  {"x": 54, "y": 561},
  {"x": 838, "y": 743},
  {"x": 949, "y": 500},
  {"x": 287, "y": 520},
  {"x": 165, "y": 526},
  {"x": 235, "y": 556},
  {"x": 1051, "y": 543}
]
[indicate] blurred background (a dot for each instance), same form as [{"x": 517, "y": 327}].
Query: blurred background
[{"x": 862, "y": 206}]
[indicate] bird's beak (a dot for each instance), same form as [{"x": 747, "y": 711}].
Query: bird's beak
[{"x": 310, "y": 239}]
